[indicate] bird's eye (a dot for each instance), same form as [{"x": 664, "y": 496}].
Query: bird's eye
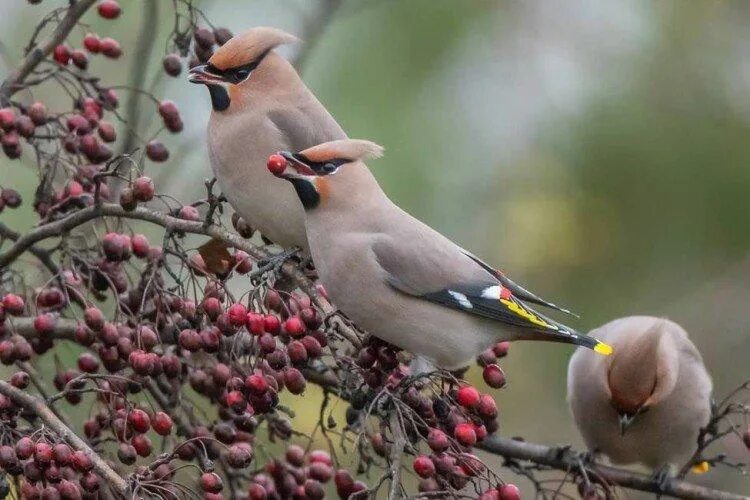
[
  {"x": 329, "y": 168},
  {"x": 241, "y": 74}
]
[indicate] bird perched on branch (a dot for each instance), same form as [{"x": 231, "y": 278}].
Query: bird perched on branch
[
  {"x": 397, "y": 277},
  {"x": 647, "y": 402},
  {"x": 260, "y": 106}
]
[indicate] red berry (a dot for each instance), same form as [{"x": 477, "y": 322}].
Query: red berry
[
  {"x": 80, "y": 59},
  {"x": 25, "y": 126},
  {"x": 237, "y": 313},
  {"x": 242, "y": 262},
  {"x": 44, "y": 324},
  {"x": 254, "y": 323},
  {"x": 142, "y": 444},
  {"x": 111, "y": 48},
  {"x": 236, "y": 401},
  {"x": 37, "y": 112},
  {"x": 172, "y": 64},
  {"x": 157, "y": 151},
  {"x": 43, "y": 453},
  {"x": 13, "y": 304},
  {"x": 467, "y": 396},
  {"x": 162, "y": 423},
  {"x": 509, "y": 492},
  {"x": 437, "y": 440},
  {"x": 494, "y": 376},
  {"x": 107, "y": 131},
  {"x": 271, "y": 324},
  {"x": 20, "y": 380},
  {"x": 212, "y": 307},
  {"x": 189, "y": 212},
  {"x": 88, "y": 363},
  {"x": 92, "y": 43},
  {"x": 294, "y": 381},
  {"x": 143, "y": 188},
  {"x": 108, "y": 9},
  {"x": 465, "y": 434},
  {"x": 211, "y": 482},
  {"x": 320, "y": 456},
  {"x": 140, "y": 245},
  {"x": 190, "y": 340},
  {"x": 93, "y": 318},
  {"x": 501, "y": 349},
  {"x": 222, "y": 35},
  {"x": 256, "y": 384},
  {"x": 240, "y": 455},
  {"x": 81, "y": 461},
  {"x": 423, "y": 466},
  {"x": 25, "y": 448},
  {"x": 139, "y": 420},
  {"x": 61, "y": 54},
  {"x": 294, "y": 326},
  {"x": 276, "y": 164},
  {"x": 168, "y": 109},
  {"x": 487, "y": 407},
  {"x": 63, "y": 453},
  {"x": 7, "y": 119}
]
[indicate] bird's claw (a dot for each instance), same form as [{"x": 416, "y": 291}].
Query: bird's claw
[
  {"x": 277, "y": 260},
  {"x": 662, "y": 478}
]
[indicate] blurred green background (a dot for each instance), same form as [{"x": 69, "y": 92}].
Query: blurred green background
[{"x": 597, "y": 151}]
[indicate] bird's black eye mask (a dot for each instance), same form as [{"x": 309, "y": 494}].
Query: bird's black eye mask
[
  {"x": 321, "y": 168},
  {"x": 219, "y": 95}
]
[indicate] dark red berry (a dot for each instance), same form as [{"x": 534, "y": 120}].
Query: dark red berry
[
  {"x": 143, "y": 188},
  {"x": 172, "y": 64},
  {"x": 92, "y": 43},
  {"x": 162, "y": 423},
  {"x": 61, "y": 54},
  {"x": 467, "y": 396},
  {"x": 108, "y": 9},
  {"x": 157, "y": 151},
  {"x": 111, "y": 48},
  {"x": 276, "y": 164},
  {"x": 423, "y": 466}
]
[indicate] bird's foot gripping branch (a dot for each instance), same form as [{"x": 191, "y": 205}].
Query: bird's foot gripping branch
[{"x": 190, "y": 366}]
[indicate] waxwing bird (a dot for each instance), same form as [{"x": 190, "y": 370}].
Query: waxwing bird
[
  {"x": 398, "y": 278},
  {"x": 647, "y": 402},
  {"x": 260, "y": 106}
]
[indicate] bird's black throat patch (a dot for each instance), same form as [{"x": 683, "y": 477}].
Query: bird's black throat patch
[
  {"x": 306, "y": 192},
  {"x": 219, "y": 97}
]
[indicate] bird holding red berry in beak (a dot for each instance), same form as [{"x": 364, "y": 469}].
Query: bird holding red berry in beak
[{"x": 398, "y": 278}]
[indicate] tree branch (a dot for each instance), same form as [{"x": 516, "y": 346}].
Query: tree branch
[
  {"x": 565, "y": 460},
  {"x": 13, "y": 83},
  {"x": 40, "y": 409}
]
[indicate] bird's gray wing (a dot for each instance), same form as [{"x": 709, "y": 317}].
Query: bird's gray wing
[
  {"x": 517, "y": 290},
  {"x": 436, "y": 270}
]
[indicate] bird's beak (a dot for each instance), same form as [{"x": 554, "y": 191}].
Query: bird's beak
[
  {"x": 626, "y": 420},
  {"x": 298, "y": 165},
  {"x": 201, "y": 74}
]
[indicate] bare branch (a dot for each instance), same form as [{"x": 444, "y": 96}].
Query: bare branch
[
  {"x": 40, "y": 409},
  {"x": 565, "y": 460},
  {"x": 14, "y": 82}
]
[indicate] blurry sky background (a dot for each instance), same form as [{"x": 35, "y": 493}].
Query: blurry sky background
[{"x": 598, "y": 151}]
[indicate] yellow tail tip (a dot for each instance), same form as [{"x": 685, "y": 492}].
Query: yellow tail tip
[
  {"x": 603, "y": 348},
  {"x": 700, "y": 468}
]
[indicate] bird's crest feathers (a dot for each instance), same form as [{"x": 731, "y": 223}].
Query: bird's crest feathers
[
  {"x": 249, "y": 46},
  {"x": 344, "y": 149}
]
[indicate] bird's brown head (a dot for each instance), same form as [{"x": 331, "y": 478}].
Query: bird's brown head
[
  {"x": 313, "y": 171},
  {"x": 244, "y": 62},
  {"x": 642, "y": 371}
]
